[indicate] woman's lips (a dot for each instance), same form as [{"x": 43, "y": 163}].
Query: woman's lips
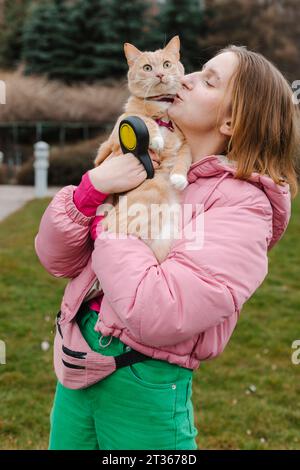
[
  {"x": 178, "y": 98},
  {"x": 168, "y": 98}
]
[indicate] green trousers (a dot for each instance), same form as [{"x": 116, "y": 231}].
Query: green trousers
[{"x": 143, "y": 406}]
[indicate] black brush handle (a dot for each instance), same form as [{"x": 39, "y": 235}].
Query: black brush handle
[{"x": 139, "y": 146}]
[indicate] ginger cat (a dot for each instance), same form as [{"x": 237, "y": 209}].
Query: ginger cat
[{"x": 153, "y": 80}]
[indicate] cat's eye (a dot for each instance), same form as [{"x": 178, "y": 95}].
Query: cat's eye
[
  {"x": 167, "y": 64},
  {"x": 147, "y": 68}
]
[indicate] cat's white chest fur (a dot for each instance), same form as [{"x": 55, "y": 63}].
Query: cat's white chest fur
[
  {"x": 165, "y": 134},
  {"x": 157, "y": 143}
]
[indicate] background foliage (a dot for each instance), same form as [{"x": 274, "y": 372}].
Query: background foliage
[{"x": 75, "y": 40}]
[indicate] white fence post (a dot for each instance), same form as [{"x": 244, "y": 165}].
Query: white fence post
[{"x": 41, "y": 164}]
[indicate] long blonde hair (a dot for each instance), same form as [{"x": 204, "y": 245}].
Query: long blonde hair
[{"x": 265, "y": 120}]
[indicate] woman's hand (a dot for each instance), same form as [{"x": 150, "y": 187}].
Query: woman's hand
[{"x": 120, "y": 173}]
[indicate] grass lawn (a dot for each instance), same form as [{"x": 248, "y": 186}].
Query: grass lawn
[{"x": 228, "y": 414}]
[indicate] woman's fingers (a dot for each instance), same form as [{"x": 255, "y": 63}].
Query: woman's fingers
[
  {"x": 154, "y": 157},
  {"x": 134, "y": 162},
  {"x": 111, "y": 155}
]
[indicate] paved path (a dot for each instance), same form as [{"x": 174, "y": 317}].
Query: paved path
[{"x": 13, "y": 197}]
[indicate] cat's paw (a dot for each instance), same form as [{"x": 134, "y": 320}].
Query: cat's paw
[
  {"x": 178, "y": 181},
  {"x": 157, "y": 143}
]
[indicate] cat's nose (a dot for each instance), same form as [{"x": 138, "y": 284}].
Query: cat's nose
[{"x": 160, "y": 75}]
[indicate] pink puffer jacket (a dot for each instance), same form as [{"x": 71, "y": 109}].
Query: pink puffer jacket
[{"x": 185, "y": 309}]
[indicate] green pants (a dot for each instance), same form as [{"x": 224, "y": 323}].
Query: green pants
[{"x": 143, "y": 406}]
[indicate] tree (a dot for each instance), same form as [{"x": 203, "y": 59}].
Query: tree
[
  {"x": 43, "y": 34},
  {"x": 269, "y": 27},
  {"x": 82, "y": 40},
  {"x": 67, "y": 40},
  {"x": 186, "y": 21},
  {"x": 89, "y": 28},
  {"x": 13, "y": 17},
  {"x": 128, "y": 23}
]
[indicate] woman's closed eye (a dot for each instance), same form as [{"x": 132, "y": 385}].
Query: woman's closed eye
[
  {"x": 203, "y": 72},
  {"x": 207, "y": 82}
]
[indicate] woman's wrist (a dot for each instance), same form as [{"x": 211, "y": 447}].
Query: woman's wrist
[
  {"x": 86, "y": 197},
  {"x": 98, "y": 182}
]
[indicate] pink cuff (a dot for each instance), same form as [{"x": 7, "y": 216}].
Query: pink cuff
[
  {"x": 86, "y": 197},
  {"x": 94, "y": 226}
]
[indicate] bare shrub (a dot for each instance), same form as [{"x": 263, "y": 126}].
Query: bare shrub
[{"x": 34, "y": 98}]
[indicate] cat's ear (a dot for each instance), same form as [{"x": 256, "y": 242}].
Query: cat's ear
[
  {"x": 131, "y": 53},
  {"x": 173, "y": 47}
]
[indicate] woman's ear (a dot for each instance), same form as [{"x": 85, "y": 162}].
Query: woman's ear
[
  {"x": 131, "y": 53},
  {"x": 226, "y": 128}
]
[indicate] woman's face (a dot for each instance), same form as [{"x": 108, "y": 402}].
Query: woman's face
[{"x": 196, "y": 107}]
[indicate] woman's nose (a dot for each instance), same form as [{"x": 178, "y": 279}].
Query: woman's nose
[{"x": 187, "y": 82}]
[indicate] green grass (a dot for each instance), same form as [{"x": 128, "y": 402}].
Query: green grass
[
  {"x": 259, "y": 352},
  {"x": 29, "y": 300}
]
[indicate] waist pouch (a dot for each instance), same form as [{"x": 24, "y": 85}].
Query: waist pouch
[{"x": 77, "y": 365}]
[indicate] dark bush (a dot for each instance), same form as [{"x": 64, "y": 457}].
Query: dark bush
[
  {"x": 68, "y": 170},
  {"x": 65, "y": 166},
  {"x": 25, "y": 175},
  {"x": 62, "y": 170},
  {"x": 2, "y": 175}
]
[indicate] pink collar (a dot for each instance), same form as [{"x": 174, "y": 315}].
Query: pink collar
[{"x": 169, "y": 124}]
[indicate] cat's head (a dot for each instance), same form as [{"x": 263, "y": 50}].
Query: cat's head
[{"x": 155, "y": 76}]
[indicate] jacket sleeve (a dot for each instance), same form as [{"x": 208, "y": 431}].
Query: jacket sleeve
[
  {"x": 199, "y": 287},
  {"x": 63, "y": 244},
  {"x": 212, "y": 342},
  {"x": 86, "y": 197}
]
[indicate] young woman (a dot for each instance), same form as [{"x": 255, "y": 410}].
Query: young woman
[{"x": 239, "y": 119}]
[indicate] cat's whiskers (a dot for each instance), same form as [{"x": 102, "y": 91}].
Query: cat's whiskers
[
  {"x": 145, "y": 86},
  {"x": 146, "y": 94}
]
